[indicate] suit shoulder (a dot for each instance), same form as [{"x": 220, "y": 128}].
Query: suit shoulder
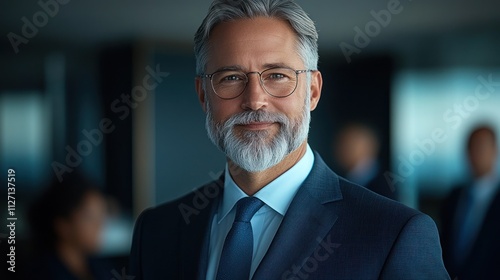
[
  {"x": 370, "y": 204},
  {"x": 192, "y": 202},
  {"x": 455, "y": 192}
]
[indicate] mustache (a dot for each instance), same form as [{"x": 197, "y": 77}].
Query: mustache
[{"x": 260, "y": 115}]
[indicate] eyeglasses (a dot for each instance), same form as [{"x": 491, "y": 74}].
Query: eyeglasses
[{"x": 278, "y": 82}]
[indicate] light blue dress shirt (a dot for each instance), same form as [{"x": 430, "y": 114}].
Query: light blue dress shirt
[{"x": 277, "y": 197}]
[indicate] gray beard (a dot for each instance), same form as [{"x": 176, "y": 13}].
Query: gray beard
[{"x": 256, "y": 151}]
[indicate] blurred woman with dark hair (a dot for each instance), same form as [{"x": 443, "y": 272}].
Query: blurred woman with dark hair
[{"x": 67, "y": 220}]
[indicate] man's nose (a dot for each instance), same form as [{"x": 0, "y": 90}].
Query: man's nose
[{"x": 254, "y": 96}]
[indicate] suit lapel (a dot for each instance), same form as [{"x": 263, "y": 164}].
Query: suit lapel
[
  {"x": 195, "y": 236},
  {"x": 306, "y": 223}
]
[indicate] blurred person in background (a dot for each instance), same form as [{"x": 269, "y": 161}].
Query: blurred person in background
[
  {"x": 471, "y": 214},
  {"x": 66, "y": 223},
  {"x": 356, "y": 152}
]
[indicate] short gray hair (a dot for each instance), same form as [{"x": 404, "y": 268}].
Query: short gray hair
[{"x": 227, "y": 10}]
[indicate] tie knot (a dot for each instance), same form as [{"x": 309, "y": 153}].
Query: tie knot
[{"x": 246, "y": 208}]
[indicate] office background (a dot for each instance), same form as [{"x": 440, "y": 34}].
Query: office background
[{"x": 408, "y": 68}]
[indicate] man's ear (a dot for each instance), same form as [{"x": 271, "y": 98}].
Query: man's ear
[
  {"x": 201, "y": 93},
  {"x": 316, "y": 85}
]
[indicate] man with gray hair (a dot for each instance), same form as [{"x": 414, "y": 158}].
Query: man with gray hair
[{"x": 277, "y": 212}]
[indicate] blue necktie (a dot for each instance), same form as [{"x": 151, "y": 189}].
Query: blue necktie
[{"x": 236, "y": 257}]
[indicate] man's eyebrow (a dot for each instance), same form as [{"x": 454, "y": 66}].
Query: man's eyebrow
[
  {"x": 230, "y": 67},
  {"x": 264, "y": 67},
  {"x": 275, "y": 65}
]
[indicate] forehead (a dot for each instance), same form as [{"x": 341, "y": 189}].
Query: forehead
[
  {"x": 252, "y": 43},
  {"x": 482, "y": 136}
]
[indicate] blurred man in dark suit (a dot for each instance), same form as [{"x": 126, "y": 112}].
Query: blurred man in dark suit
[
  {"x": 278, "y": 212},
  {"x": 471, "y": 214},
  {"x": 356, "y": 151}
]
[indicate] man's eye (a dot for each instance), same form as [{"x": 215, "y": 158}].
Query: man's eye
[
  {"x": 276, "y": 76},
  {"x": 232, "y": 78}
]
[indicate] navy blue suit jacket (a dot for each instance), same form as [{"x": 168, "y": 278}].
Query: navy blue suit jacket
[
  {"x": 483, "y": 260},
  {"x": 333, "y": 229}
]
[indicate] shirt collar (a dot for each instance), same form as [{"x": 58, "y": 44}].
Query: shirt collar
[{"x": 277, "y": 195}]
